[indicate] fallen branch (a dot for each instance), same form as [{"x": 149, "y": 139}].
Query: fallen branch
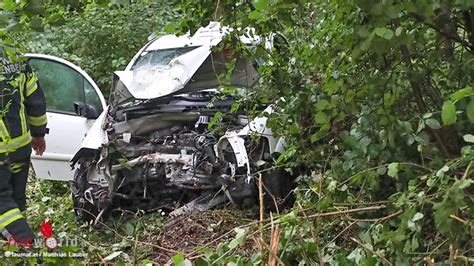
[
  {"x": 452, "y": 256},
  {"x": 315, "y": 238},
  {"x": 261, "y": 210},
  {"x": 363, "y": 203},
  {"x": 458, "y": 219},
  {"x": 317, "y": 215},
  {"x": 279, "y": 261},
  {"x": 274, "y": 241},
  {"x": 428, "y": 170},
  {"x": 429, "y": 261},
  {"x": 340, "y": 233},
  {"x": 371, "y": 251},
  {"x": 382, "y": 219},
  {"x": 325, "y": 214},
  {"x": 465, "y": 259},
  {"x": 261, "y": 207},
  {"x": 468, "y": 168},
  {"x": 125, "y": 238}
]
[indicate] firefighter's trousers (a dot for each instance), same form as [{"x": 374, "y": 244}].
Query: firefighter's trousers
[{"x": 14, "y": 170}]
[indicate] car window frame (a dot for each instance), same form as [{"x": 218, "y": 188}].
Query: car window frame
[
  {"x": 82, "y": 73},
  {"x": 133, "y": 67}
]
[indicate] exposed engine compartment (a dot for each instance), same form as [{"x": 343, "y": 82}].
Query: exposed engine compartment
[
  {"x": 168, "y": 160},
  {"x": 153, "y": 148}
]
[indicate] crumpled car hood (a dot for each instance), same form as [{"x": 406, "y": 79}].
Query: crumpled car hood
[
  {"x": 197, "y": 69},
  {"x": 163, "y": 80}
]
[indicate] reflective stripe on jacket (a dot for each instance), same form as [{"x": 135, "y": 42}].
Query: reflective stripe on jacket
[
  {"x": 22, "y": 104},
  {"x": 9, "y": 217}
]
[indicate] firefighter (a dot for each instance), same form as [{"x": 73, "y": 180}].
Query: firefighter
[{"x": 22, "y": 127}]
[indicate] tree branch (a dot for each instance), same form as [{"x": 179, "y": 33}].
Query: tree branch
[{"x": 448, "y": 35}]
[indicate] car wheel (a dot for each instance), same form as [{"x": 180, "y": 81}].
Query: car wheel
[
  {"x": 278, "y": 185},
  {"x": 83, "y": 209}
]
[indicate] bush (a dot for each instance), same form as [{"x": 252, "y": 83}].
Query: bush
[
  {"x": 376, "y": 101},
  {"x": 102, "y": 39}
]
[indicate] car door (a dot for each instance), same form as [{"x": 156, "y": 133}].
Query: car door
[{"x": 63, "y": 84}]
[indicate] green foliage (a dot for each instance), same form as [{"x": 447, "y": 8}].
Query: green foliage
[
  {"x": 101, "y": 39},
  {"x": 120, "y": 241},
  {"x": 448, "y": 113},
  {"x": 374, "y": 99},
  {"x": 376, "y": 96},
  {"x": 24, "y": 15}
]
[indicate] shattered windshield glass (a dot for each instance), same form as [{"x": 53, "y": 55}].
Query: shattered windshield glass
[{"x": 150, "y": 60}]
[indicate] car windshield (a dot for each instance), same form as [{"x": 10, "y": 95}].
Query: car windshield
[{"x": 152, "y": 59}]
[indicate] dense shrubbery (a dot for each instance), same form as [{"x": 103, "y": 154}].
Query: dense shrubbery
[
  {"x": 101, "y": 39},
  {"x": 376, "y": 101},
  {"x": 377, "y": 104}
]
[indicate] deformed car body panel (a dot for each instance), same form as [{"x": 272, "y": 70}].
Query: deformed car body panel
[
  {"x": 95, "y": 138},
  {"x": 159, "y": 81},
  {"x": 152, "y": 146},
  {"x": 146, "y": 124},
  {"x": 236, "y": 139},
  {"x": 196, "y": 69}
]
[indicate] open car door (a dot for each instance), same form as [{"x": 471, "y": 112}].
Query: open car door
[{"x": 73, "y": 102}]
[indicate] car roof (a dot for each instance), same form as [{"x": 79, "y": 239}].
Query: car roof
[{"x": 210, "y": 36}]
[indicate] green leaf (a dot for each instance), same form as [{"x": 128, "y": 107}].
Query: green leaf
[
  {"x": 448, "y": 113},
  {"x": 470, "y": 111},
  {"x": 56, "y": 19},
  {"x": 239, "y": 238},
  {"x": 128, "y": 229},
  {"x": 113, "y": 255},
  {"x": 367, "y": 42},
  {"x": 442, "y": 171},
  {"x": 35, "y": 7},
  {"x": 393, "y": 169},
  {"x": 36, "y": 24},
  {"x": 261, "y": 4},
  {"x": 14, "y": 27},
  {"x": 398, "y": 31},
  {"x": 388, "y": 34},
  {"x": 427, "y": 115},
  {"x": 102, "y": 2},
  {"x": 290, "y": 217},
  {"x": 315, "y": 137},
  {"x": 8, "y": 5},
  {"x": 179, "y": 260},
  {"x": 433, "y": 123},
  {"x": 3, "y": 18},
  {"x": 380, "y": 31},
  {"x": 255, "y": 15},
  {"x": 388, "y": 99},
  {"x": 384, "y": 32},
  {"x": 453, "y": 199},
  {"x": 468, "y": 138},
  {"x": 170, "y": 28},
  {"x": 462, "y": 93},
  {"x": 417, "y": 216},
  {"x": 322, "y": 104},
  {"x": 320, "y": 118}
]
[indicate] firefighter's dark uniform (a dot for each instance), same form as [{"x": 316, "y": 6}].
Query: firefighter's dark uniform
[{"x": 22, "y": 115}]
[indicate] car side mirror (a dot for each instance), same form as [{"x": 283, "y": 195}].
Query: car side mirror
[{"x": 86, "y": 110}]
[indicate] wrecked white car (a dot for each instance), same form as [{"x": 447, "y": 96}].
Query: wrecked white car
[{"x": 152, "y": 149}]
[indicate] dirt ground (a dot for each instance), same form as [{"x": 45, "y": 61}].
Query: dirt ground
[{"x": 205, "y": 229}]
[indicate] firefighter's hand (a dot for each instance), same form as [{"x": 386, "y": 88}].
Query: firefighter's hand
[{"x": 39, "y": 145}]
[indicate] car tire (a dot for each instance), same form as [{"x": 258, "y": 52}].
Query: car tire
[
  {"x": 278, "y": 187},
  {"x": 83, "y": 209}
]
